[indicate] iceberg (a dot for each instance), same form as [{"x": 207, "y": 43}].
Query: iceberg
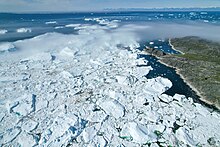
[
  {"x": 51, "y": 22},
  {"x": 24, "y": 30},
  {"x": 3, "y": 32},
  {"x": 72, "y": 25}
]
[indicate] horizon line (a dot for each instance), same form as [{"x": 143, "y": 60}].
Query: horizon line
[{"x": 116, "y": 10}]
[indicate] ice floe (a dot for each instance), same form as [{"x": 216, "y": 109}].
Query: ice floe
[
  {"x": 51, "y": 22},
  {"x": 109, "y": 106},
  {"x": 59, "y": 27},
  {"x": 72, "y": 25},
  {"x": 3, "y": 31},
  {"x": 106, "y": 22},
  {"x": 24, "y": 30}
]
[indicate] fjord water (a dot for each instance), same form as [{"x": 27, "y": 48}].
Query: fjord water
[
  {"x": 37, "y": 22},
  {"x": 166, "y": 22}
]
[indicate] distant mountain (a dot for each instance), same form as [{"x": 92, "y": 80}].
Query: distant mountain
[{"x": 164, "y": 9}]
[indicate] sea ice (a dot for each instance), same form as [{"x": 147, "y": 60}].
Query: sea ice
[
  {"x": 3, "y": 32},
  {"x": 24, "y": 105},
  {"x": 137, "y": 132},
  {"x": 29, "y": 125},
  {"x": 60, "y": 131},
  {"x": 51, "y": 22},
  {"x": 108, "y": 106},
  {"x": 157, "y": 85},
  {"x": 72, "y": 25},
  {"x": 26, "y": 140},
  {"x": 59, "y": 27},
  {"x": 39, "y": 57},
  {"x": 90, "y": 132},
  {"x": 24, "y": 30},
  {"x": 9, "y": 135},
  {"x": 6, "y": 46}
]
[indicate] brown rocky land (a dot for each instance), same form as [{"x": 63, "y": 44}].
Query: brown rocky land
[{"x": 199, "y": 65}]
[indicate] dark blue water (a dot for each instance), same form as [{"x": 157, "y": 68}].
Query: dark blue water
[
  {"x": 36, "y": 22},
  {"x": 179, "y": 86}
]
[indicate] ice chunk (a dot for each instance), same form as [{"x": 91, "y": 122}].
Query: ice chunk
[
  {"x": 157, "y": 85},
  {"x": 202, "y": 110},
  {"x": 63, "y": 129},
  {"x": 42, "y": 103},
  {"x": 137, "y": 132},
  {"x": 24, "y": 105},
  {"x": 72, "y": 25},
  {"x": 59, "y": 27},
  {"x": 88, "y": 19},
  {"x": 183, "y": 135},
  {"x": 26, "y": 140},
  {"x": 141, "y": 71},
  {"x": 95, "y": 62},
  {"x": 9, "y": 135},
  {"x": 179, "y": 97},
  {"x": 153, "y": 116},
  {"x": 66, "y": 52},
  {"x": 24, "y": 30},
  {"x": 66, "y": 74},
  {"x": 90, "y": 132},
  {"x": 155, "y": 130},
  {"x": 113, "y": 108},
  {"x": 141, "y": 61},
  {"x": 6, "y": 46},
  {"x": 126, "y": 80},
  {"x": 99, "y": 141},
  {"x": 29, "y": 125},
  {"x": 121, "y": 79},
  {"x": 3, "y": 31},
  {"x": 166, "y": 98},
  {"x": 39, "y": 57},
  {"x": 51, "y": 22},
  {"x": 112, "y": 94},
  {"x": 23, "y": 67}
]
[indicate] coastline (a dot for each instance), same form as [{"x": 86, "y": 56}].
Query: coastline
[
  {"x": 189, "y": 83},
  {"x": 172, "y": 46},
  {"x": 201, "y": 98}
]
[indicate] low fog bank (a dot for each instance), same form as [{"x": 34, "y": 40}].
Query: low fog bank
[
  {"x": 174, "y": 30},
  {"x": 104, "y": 38}
]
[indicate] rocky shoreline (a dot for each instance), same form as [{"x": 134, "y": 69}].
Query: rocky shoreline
[{"x": 191, "y": 68}]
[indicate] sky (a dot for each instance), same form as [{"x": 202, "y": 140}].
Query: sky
[{"x": 97, "y": 5}]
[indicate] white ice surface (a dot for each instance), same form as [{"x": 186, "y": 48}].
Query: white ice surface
[{"x": 5, "y": 46}]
